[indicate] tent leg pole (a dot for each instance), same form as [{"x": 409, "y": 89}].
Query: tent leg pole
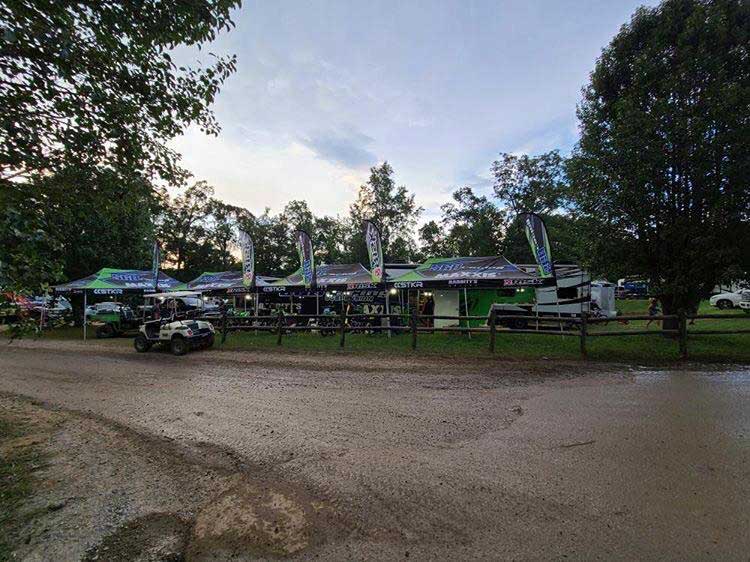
[
  {"x": 388, "y": 311},
  {"x": 85, "y": 303},
  {"x": 466, "y": 310}
]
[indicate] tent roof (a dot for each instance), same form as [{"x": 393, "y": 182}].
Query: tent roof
[
  {"x": 230, "y": 281},
  {"x": 351, "y": 275},
  {"x": 490, "y": 271},
  {"x": 109, "y": 280}
]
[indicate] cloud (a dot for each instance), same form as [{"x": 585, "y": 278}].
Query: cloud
[
  {"x": 256, "y": 176},
  {"x": 347, "y": 149}
]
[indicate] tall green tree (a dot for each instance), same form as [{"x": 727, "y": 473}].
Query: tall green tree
[
  {"x": 91, "y": 83},
  {"x": 537, "y": 184},
  {"x": 50, "y": 232},
  {"x": 471, "y": 225},
  {"x": 534, "y": 184},
  {"x": 392, "y": 208},
  {"x": 662, "y": 166}
]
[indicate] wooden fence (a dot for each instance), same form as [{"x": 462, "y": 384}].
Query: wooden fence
[{"x": 342, "y": 324}]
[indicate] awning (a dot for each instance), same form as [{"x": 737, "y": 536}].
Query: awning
[
  {"x": 487, "y": 272},
  {"x": 348, "y": 276},
  {"x": 108, "y": 281},
  {"x": 225, "y": 281}
]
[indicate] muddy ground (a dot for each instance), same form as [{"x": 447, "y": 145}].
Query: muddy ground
[{"x": 219, "y": 455}]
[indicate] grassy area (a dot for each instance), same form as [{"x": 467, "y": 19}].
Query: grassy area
[
  {"x": 16, "y": 465},
  {"x": 643, "y": 349}
]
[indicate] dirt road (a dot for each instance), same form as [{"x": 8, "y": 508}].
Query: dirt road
[{"x": 216, "y": 455}]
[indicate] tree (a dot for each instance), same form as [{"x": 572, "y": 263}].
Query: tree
[
  {"x": 392, "y": 208},
  {"x": 534, "y": 184},
  {"x": 662, "y": 164},
  {"x": 474, "y": 225},
  {"x": 182, "y": 226},
  {"x": 537, "y": 184},
  {"x": 93, "y": 83},
  {"x": 51, "y": 233},
  {"x": 432, "y": 241}
]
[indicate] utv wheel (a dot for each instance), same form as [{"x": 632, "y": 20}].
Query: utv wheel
[
  {"x": 724, "y": 304},
  {"x": 141, "y": 344},
  {"x": 179, "y": 345},
  {"x": 105, "y": 331}
]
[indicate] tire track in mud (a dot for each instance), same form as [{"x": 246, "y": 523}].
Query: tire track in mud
[{"x": 123, "y": 495}]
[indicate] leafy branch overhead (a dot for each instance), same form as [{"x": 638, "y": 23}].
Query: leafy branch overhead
[{"x": 94, "y": 83}]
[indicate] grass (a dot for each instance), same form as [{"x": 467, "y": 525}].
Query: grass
[
  {"x": 15, "y": 480},
  {"x": 641, "y": 349}
]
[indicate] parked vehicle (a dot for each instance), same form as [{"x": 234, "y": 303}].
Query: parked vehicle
[
  {"x": 725, "y": 301},
  {"x": 174, "y": 327},
  {"x": 113, "y": 322},
  {"x": 631, "y": 289},
  {"x": 94, "y": 309}
]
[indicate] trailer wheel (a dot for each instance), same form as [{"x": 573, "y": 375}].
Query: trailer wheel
[
  {"x": 179, "y": 345},
  {"x": 141, "y": 344},
  {"x": 518, "y": 324}
]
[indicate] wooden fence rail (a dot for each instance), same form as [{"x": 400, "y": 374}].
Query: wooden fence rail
[{"x": 415, "y": 324}]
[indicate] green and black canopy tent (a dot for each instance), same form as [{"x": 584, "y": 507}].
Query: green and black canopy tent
[
  {"x": 480, "y": 272},
  {"x": 226, "y": 282},
  {"x": 109, "y": 281},
  {"x": 330, "y": 278}
]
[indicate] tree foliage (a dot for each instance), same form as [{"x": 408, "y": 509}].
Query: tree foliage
[
  {"x": 662, "y": 166},
  {"x": 471, "y": 225},
  {"x": 392, "y": 208},
  {"x": 93, "y": 83}
]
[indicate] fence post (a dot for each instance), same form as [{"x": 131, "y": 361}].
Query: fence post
[
  {"x": 223, "y": 326},
  {"x": 682, "y": 326},
  {"x": 343, "y": 324},
  {"x": 414, "y": 328},
  {"x": 584, "y": 333},
  {"x": 493, "y": 329},
  {"x": 279, "y": 330}
]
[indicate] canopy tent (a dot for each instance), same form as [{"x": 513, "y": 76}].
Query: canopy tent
[
  {"x": 108, "y": 281},
  {"x": 225, "y": 282},
  {"x": 489, "y": 272},
  {"x": 334, "y": 276}
]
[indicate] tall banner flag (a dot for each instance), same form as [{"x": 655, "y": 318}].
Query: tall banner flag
[
  {"x": 248, "y": 259},
  {"x": 306, "y": 258},
  {"x": 536, "y": 233},
  {"x": 375, "y": 251},
  {"x": 156, "y": 264}
]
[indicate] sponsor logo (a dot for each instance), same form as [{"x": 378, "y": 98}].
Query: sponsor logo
[
  {"x": 373, "y": 248},
  {"x": 522, "y": 282},
  {"x": 462, "y": 281},
  {"x": 129, "y": 276},
  {"x": 107, "y": 291},
  {"x": 540, "y": 250},
  {"x": 274, "y": 289},
  {"x": 408, "y": 285},
  {"x": 352, "y": 286}
]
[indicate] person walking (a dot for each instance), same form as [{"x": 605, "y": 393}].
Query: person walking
[{"x": 653, "y": 309}]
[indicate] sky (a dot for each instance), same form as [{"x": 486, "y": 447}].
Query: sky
[{"x": 324, "y": 90}]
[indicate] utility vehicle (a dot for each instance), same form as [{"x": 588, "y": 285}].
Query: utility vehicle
[{"x": 174, "y": 325}]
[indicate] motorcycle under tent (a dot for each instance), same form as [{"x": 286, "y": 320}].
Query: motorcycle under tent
[
  {"x": 110, "y": 281},
  {"x": 331, "y": 280}
]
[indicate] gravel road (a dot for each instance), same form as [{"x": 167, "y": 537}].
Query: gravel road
[{"x": 388, "y": 459}]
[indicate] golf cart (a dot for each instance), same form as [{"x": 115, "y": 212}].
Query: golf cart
[{"x": 174, "y": 325}]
